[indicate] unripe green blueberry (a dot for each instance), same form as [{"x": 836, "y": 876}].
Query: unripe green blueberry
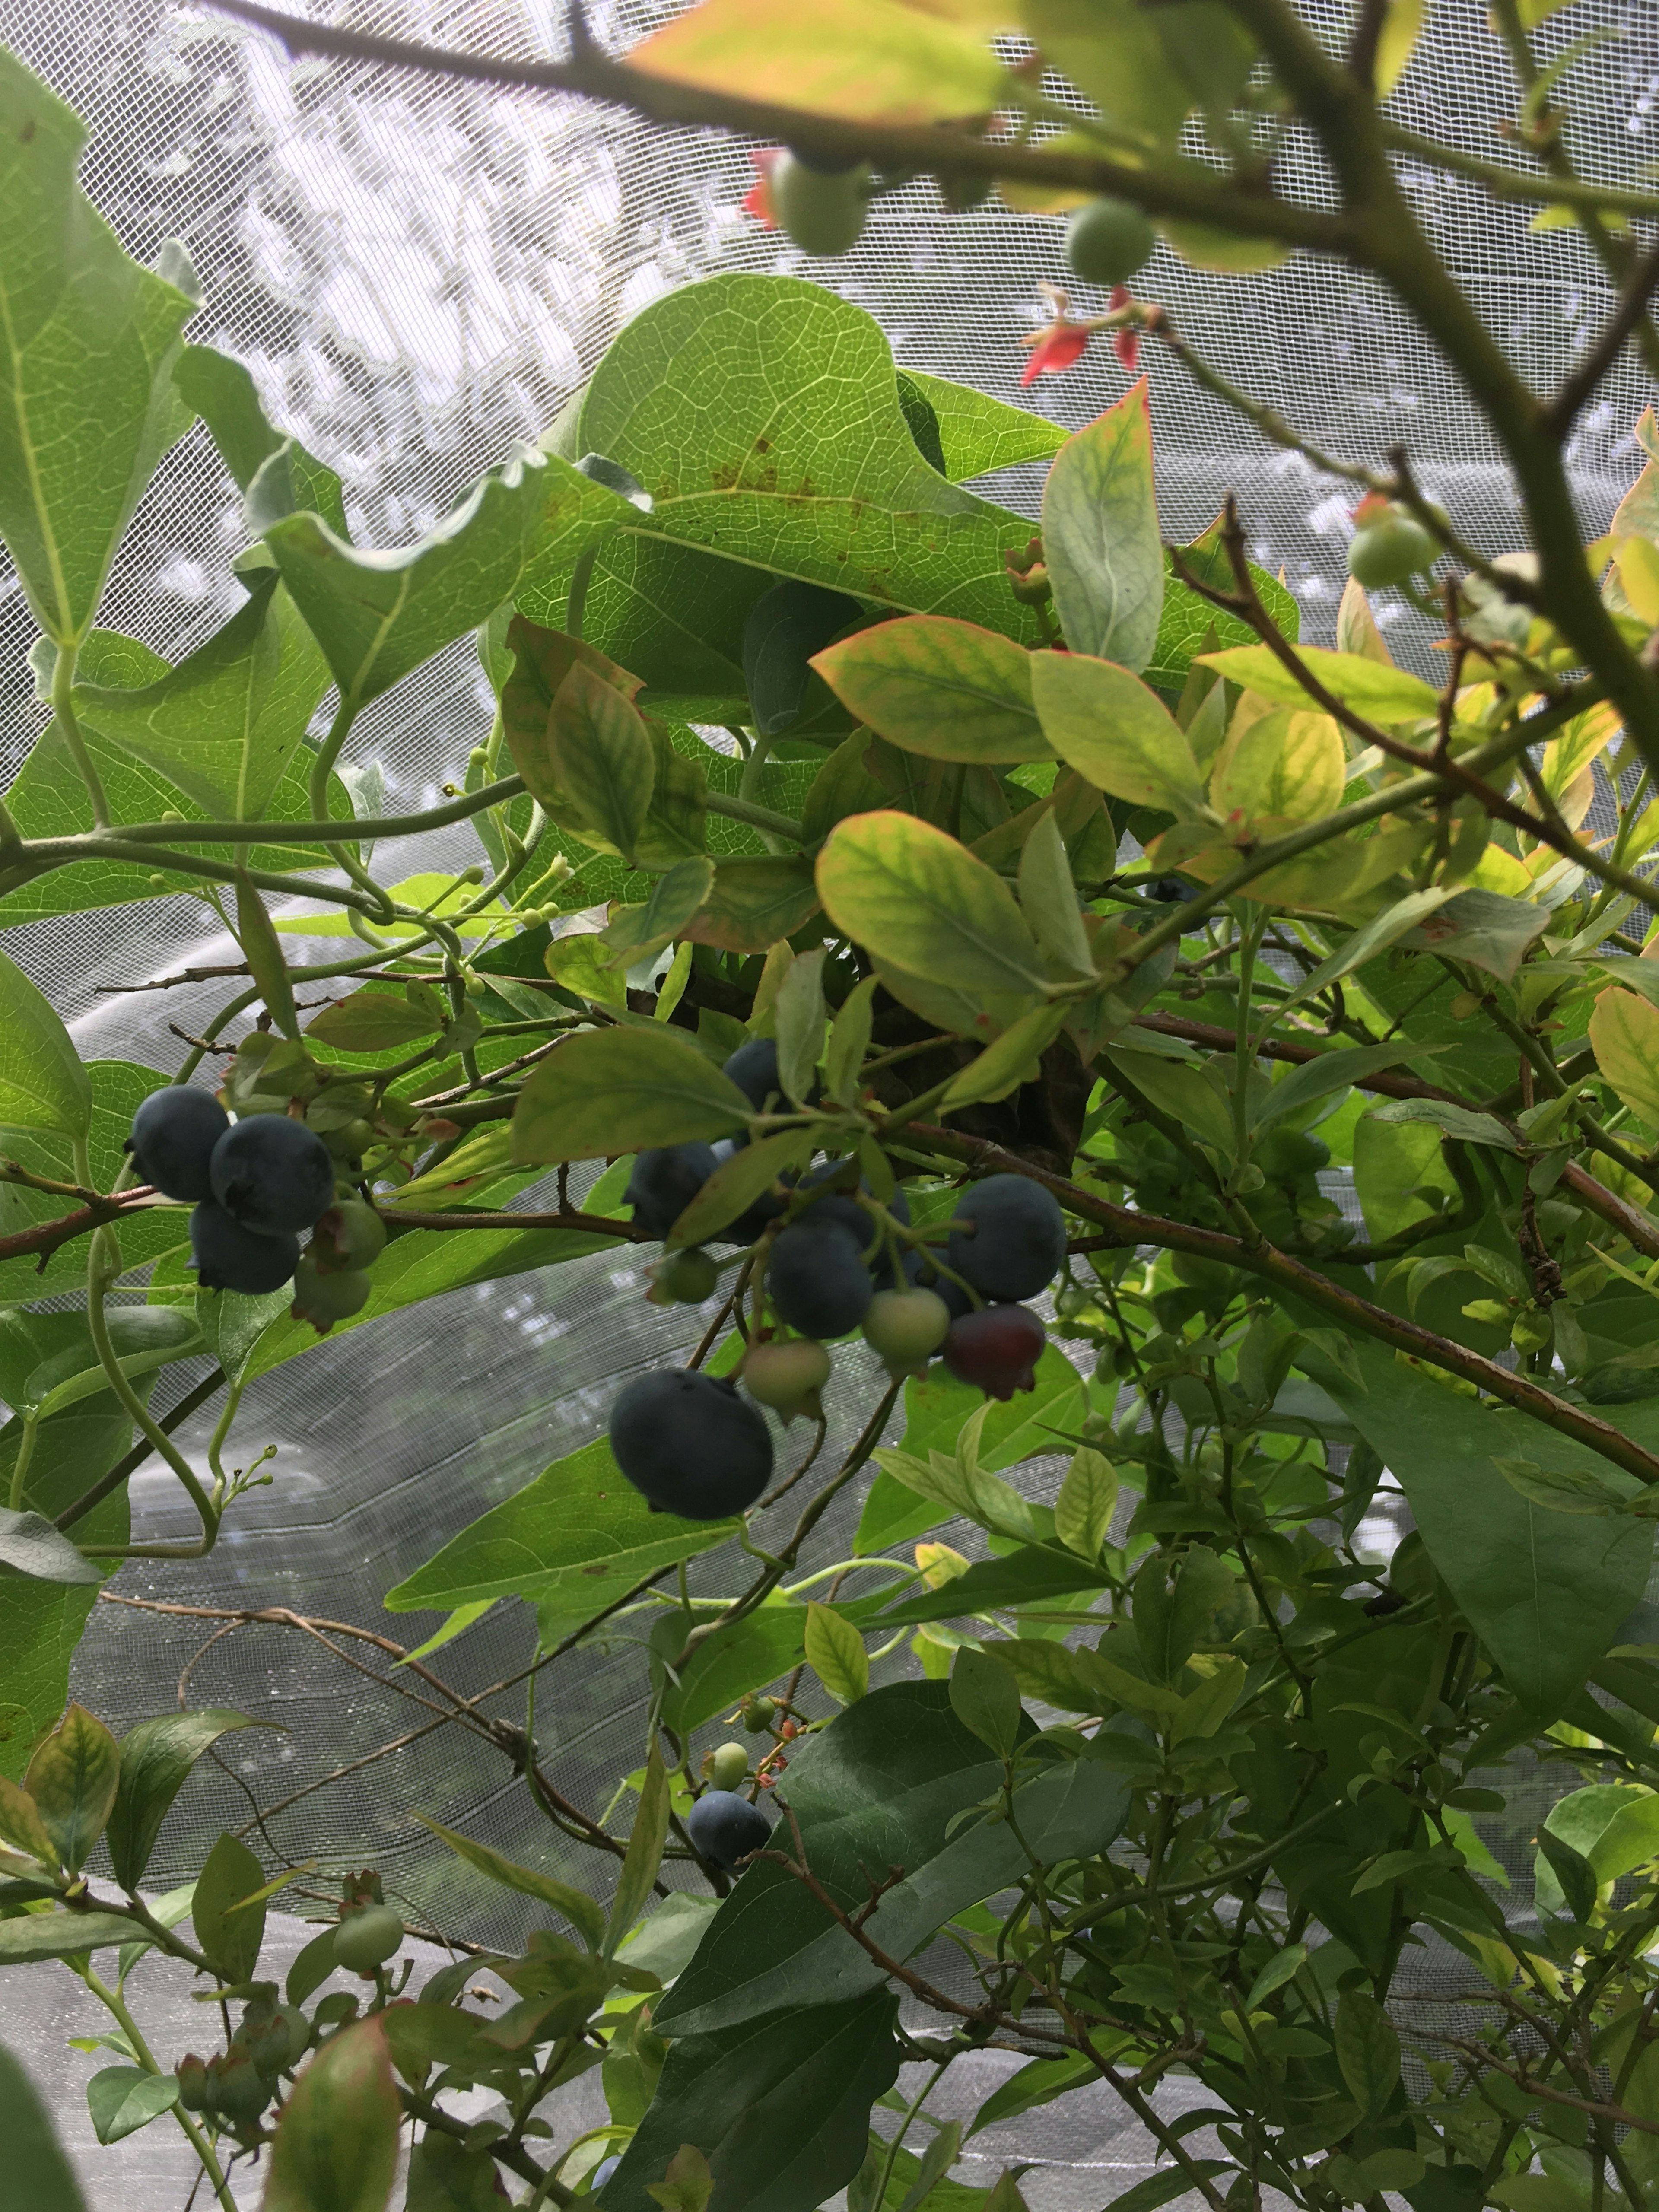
[
  {"x": 367, "y": 1939},
  {"x": 1389, "y": 549},
  {"x": 237, "y": 2089},
  {"x": 1107, "y": 242},
  {"x": 685, "y": 1278},
  {"x": 786, "y": 1377},
  {"x": 906, "y": 1328},
  {"x": 324, "y": 1299},
  {"x": 193, "y": 2075},
  {"x": 350, "y": 1235},
  {"x": 758, "y": 1714},
  {"x": 727, "y": 1768},
  {"x": 823, "y": 210}
]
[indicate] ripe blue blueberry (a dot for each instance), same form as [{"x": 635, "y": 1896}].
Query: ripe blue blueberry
[
  {"x": 840, "y": 1207},
  {"x": 816, "y": 1279},
  {"x": 1018, "y": 1242},
  {"x": 754, "y": 1068},
  {"x": 272, "y": 1175},
  {"x": 691, "y": 1445},
  {"x": 228, "y": 1257},
  {"x": 725, "y": 1827},
  {"x": 173, "y": 1133},
  {"x": 663, "y": 1183}
]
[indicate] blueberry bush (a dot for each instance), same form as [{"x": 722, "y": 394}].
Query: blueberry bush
[{"x": 1006, "y": 950}]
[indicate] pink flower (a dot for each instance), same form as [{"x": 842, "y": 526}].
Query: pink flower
[
  {"x": 1126, "y": 342},
  {"x": 1055, "y": 349},
  {"x": 758, "y": 201}
]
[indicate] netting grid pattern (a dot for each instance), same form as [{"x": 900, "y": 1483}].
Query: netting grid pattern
[{"x": 418, "y": 274}]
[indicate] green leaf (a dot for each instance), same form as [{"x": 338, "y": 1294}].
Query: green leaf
[
  {"x": 1010, "y": 1060},
  {"x": 639, "y": 1872},
  {"x": 606, "y": 1091},
  {"x": 1192, "y": 625},
  {"x": 124, "y": 2099},
  {"x": 915, "y": 896},
  {"x": 882, "y": 1785},
  {"x": 1036, "y": 2083},
  {"x": 736, "y": 1184},
  {"x": 1367, "y": 2051},
  {"x": 835, "y": 1653},
  {"x": 940, "y": 687},
  {"x": 37, "y": 2172},
  {"x": 21, "y": 1824},
  {"x": 636, "y": 933},
  {"x": 1374, "y": 688},
  {"x": 800, "y": 1020},
  {"x": 264, "y": 953},
  {"x": 371, "y": 1021},
  {"x": 603, "y": 757},
  {"x": 1033, "y": 1575},
  {"x": 1087, "y": 1499},
  {"x": 87, "y": 343},
  {"x": 1162, "y": 2188},
  {"x": 221, "y": 391},
  {"x": 750, "y": 1654},
  {"x": 72, "y": 1778},
  {"x": 43, "y": 1085},
  {"x": 224, "y": 725},
  {"x": 336, "y": 2148},
  {"x": 1624, "y": 1030},
  {"x": 1282, "y": 1967},
  {"x": 1452, "y": 1121},
  {"x": 38, "y": 1935},
  {"x": 984, "y": 1698},
  {"x": 940, "y": 2156},
  {"x": 977, "y": 434},
  {"x": 378, "y": 615},
  {"x": 231, "y": 1937},
  {"x": 579, "y": 1909},
  {"x": 1545, "y": 1591},
  {"x": 1485, "y": 928},
  {"x": 1332, "y": 1071},
  {"x": 1100, "y": 536},
  {"x": 779, "y": 2107},
  {"x": 1116, "y": 732},
  {"x": 156, "y": 1757},
  {"x": 783, "y": 474},
  {"x": 580, "y": 1534},
  {"x": 1182, "y": 1092},
  {"x": 755, "y": 903},
  {"x": 687, "y": 2184},
  {"x": 31, "y": 1546}
]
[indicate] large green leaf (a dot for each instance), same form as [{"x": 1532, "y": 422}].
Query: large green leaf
[
  {"x": 49, "y": 799},
  {"x": 222, "y": 725},
  {"x": 623, "y": 1090},
  {"x": 86, "y": 403},
  {"x": 336, "y": 2142},
  {"x": 376, "y": 616},
  {"x": 880, "y": 1788},
  {"x": 576, "y": 1537},
  {"x": 61, "y": 1934},
  {"x": 157, "y": 1756},
  {"x": 780, "y": 2107},
  {"x": 806, "y": 466},
  {"x": 37, "y": 2172},
  {"x": 1546, "y": 1591},
  {"x": 941, "y": 687},
  {"x": 1190, "y": 624},
  {"x": 1100, "y": 536},
  {"x": 1031, "y": 1575},
  {"x": 755, "y": 902},
  {"x": 919, "y": 900},
  {"x": 43, "y": 1085}
]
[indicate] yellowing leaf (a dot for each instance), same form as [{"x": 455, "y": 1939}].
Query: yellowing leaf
[
  {"x": 1624, "y": 1030},
  {"x": 1402, "y": 27},
  {"x": 915, "y": 896},
  {"x": 1116, "y": 732},
  {"x": 1637, "y": 560},
  {"x": 1285, "y": 766},
  {"x": 1382, "y": 694},
  {"x": 1082, "y": 1510},
  {"x": 1356, "y": 627},
  {"x": 869, "y": 61}
]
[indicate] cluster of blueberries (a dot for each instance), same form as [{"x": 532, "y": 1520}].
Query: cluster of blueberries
[
  {"x": 257, "y": 1185},
  {"x": 689, "y": 1442}
]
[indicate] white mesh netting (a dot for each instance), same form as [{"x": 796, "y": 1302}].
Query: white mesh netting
[{"x": 417, "y": 273}]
